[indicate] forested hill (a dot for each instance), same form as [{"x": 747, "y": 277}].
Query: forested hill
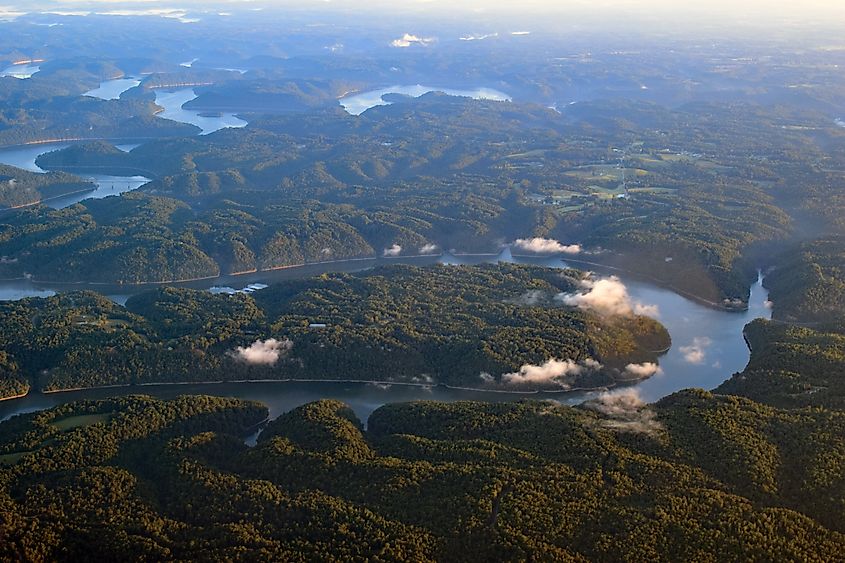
[
  {"x": 694, "y": 477},
  {"x": 622, "y": 176},
  {"x": 807, "y": 284},
  {"x": 20, "y": 188},
  {"x": 493, "y": 326}
]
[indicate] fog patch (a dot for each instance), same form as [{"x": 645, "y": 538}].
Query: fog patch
[
  {"x": 263, "y": 352},
  {"x": 393, "y": 251},
  {"x": 531, "y": 298},
  {"x": 478, "y": 37},
  {"x": 540, "y": 245},
  {"x": 696, "y": 352},
  {"x": 552, "y": 372},
  {"x": 486, "y": 377},
  {"x": 409, "y": 39},
  {"x": 428, "y": 249},
  {"x": 607, "y": 296},
  {"x": 625, "y": 411},
  {"x": 643, "y": 371}
]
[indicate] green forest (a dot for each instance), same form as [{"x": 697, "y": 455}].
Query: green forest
[
  {"x": 457, "y": 325},
  {"x": 694, "y": 477},
  {"x": 448, "y": 173}
]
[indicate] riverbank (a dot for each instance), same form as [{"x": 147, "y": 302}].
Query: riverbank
[{"x": 284, "y": 381}]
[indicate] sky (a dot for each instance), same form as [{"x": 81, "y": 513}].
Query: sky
[{"x": 728, "y": 11}]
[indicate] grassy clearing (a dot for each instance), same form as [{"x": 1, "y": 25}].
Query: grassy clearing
[
  {"x": 72, "y": 422},
  {"x": 11, "y": 459}
]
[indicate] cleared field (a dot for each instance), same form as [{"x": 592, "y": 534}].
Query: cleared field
[
  {"x": 10, "y": 459},
  {"x": 72, "y": 422}
]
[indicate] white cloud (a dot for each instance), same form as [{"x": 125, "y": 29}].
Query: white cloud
[
  {"x": 553, "y": 371},
  {"x": 9, "y": 13},
  {"x": 646, "y": 310},
  {"x": 486, "y": 377},
  {"x": 696, "y": 352},
  {"x": 607, "y": 296},
  {"x": 520, "y": 33},
  {"x": 643, "y": 371},
  {"x": 625, "y": 411},
  {"x": 539, "y": 245},
  {"x": 768, "y": 304},
  {"x": 478, "y": 37},
  {"x": 394, "y": 250},
  {"x": 408, "y": 39},
  {"x": 263, "y": 352},
  {"x": 531, "y": 298},
  {"x": 428, "y": 249}
]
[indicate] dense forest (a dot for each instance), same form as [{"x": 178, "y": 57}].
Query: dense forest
[
  {"x": 807, "y": 284},
  {"x": 494, "y": 326},
  {"x": 693, "y": 477},
  {"x": 450, "y": 173}
]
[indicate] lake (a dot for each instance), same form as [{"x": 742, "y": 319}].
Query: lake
[
  {"x": 172, "y": 102},
  {"x": 112, "y": 89},
  {"x": 708, "y": 347},
  {"x": 106, "y": 185},
  {"x": 20, "y": 71},
  {"x": 358, "y": 103}
]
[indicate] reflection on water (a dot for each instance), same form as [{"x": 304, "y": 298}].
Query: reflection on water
[
  {"x": 20, "y": 72},
  {"x": 172, "y": 102},
  {"x": 707, "y": 348},
  {"x": 356, "y": 104},
  {"x": 112, "y": 89}
]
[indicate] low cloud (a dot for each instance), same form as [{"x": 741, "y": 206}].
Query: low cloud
[
  {"x": 263, "y": 352},
  {"x": 539, "y": 245},
  {"x": 552, "y": 372},
  {"x": 625, "y": 411},
  {"x": 696, "y": 352},
  {"x": 607, "y": 296},
  {"x": 478, "y": 37},
  {"x": 409, "y": 39},
  {"x": 531, "y": 298},
  {"x": 520, "y": 33},
  {"x": 394, "y": 250},
  {"x": 768, "y": 304},
  {"x": 486, "y": 377},
  {"x": 643, "y": 371},
  {"x": 428, "y": 249}
]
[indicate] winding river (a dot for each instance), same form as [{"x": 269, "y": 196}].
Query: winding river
[{"x": 708, "y": 347}]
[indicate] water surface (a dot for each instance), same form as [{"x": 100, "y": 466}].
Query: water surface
[
  {"x": 708, "y": 347},
  {"x": 112, "y": 89},
  {"x": 21, "y": 72},
  {"x": 356, "y": 104},
  {"x": 172, "y": 102},
  {"x": 106, "y": 185}
]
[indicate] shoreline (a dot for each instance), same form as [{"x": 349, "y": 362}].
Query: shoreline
[
  {"x": 338, "y": 382},
  {"x": 46, "y": 199},
  {"x": 13, "y": 397},
  {"x": 375, "y": 258}
]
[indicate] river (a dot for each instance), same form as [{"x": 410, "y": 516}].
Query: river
[{"x": 708, "y": 347}]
